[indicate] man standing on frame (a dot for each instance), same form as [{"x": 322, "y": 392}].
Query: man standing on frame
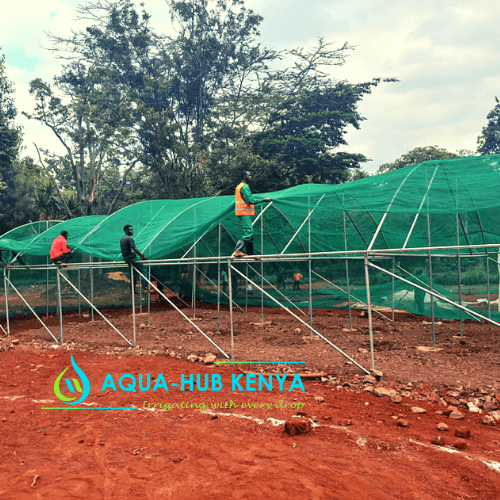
[
  {"x": 130, "y": 255},
  {"x": 245, "y": 210}
]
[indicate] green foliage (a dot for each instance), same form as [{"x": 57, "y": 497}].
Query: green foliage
[
  {"x": 191, "y": 110},
  {"x": 305, "y": 132},
  {"x": 357, "y": 174},
  {"x": 89, "y": 114},
  {"x": 15, "y": 175},
  {"x": 489, "y": 140},
  {"x": 419, "y": 155},
  {"x": 10, "y": 134}
]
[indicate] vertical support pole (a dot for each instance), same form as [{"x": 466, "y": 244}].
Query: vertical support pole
[
  {"x": 133, "y": 301},
  {"x": 261, "y": 264},
  {"x": 148, "y": 296},
  {"x": 47, "y": 291},
  {"x": 231, "y": 307},
  {"x": 459, "y": 281},
  {"x": 47, "y": 280},
  {"x": 91, "y": 274},
  {"x": 6, "y": 289},
  {"x": 488, "y": 284},
  {"x": 59, "y": 302},
  {"x": 498, "y": 260},
  {"x": 368, "y": 302},
  {"x": 194, "y": 268},
  {"x": 393, "y": 265},
  {"x": 310, "y": 261},
  {"x": 246, "y": 290},
  {"x": 430, "y": 283},
  {"x": 347, "y": 273},
  {"x": 218, "y": 283},
  {"x": 79, "y": 298}
]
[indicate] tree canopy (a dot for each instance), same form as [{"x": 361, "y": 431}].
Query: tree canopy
[
  {"x": 418, "y": 155},
  {"x": 489, "y": 140},
  {"x": 182, "y": 115}
]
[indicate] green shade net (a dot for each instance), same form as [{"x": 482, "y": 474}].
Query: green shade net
[{"x": 340, "y": 216}]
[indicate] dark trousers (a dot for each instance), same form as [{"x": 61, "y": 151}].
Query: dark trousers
[
  {"x": 296, "y": 285},
  {"x": 63, "y": 258},
  {"x": 134, "y": 261}
]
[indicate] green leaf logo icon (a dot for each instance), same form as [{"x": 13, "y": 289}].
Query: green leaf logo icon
[{"x": 71, "y": 388}]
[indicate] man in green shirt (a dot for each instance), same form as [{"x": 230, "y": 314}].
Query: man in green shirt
[{"x": 245, "y": 210}]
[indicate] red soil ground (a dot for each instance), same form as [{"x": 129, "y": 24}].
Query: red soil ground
[{"x": 357, "y": 450}]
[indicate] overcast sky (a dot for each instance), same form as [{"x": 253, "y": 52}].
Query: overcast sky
[{"x": 445, "y": 54}]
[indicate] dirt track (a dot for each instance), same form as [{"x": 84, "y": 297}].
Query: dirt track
[{"x": 357, "y": 451}]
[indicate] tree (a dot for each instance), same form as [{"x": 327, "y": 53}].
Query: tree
[
  {"x": 15, "y": 205},
  {"x": 305, "y": 132},
  {"x": 90, "y": 114},
  {"x": 418, "y": 155},
  {"x": 489, "y": 140},
  {"x": 10, "y": 134},
  {"x": 210, "y": 101},
  {"x": 355, "y": 175}
]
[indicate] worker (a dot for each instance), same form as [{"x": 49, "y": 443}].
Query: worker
[
  {"x": 59, "y": 251},
  {"x": 245, "y": 210},
  {"x": 296, "y": 280},
  {"x": 130, "y": 255}
]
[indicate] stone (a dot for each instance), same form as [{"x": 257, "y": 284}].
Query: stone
[
  {"x": 369, "y": 388},
  {"x": 487, "y": 420},
  {"x": 192, "y": 358},
  {"x": 439, "y": 440},
  {"x": 362, "y": 350},
  {"x": 142, "y": 325},
  {"x": 489, "y": 406},
  {"x": 382, "y": 391},
  {"x": 442, "y": 427},
  {"x": 473, "y": 408},
  {"x": 462, "y": 432},
  {"x": 345, "y": 422},
  {"x": 495, "y": 415},
  {"x": 460, "y": 444},
  {"x": 456, "y": 415},
  {"x": 403, "y": 423},
  {"x": 297, "y": 426},
  {"x": 209, "y": 359},
  {"x": 297, "y": 331},
  {"x": 369, "y": 379},
  {"x": 319, "y": 399},
  {"x": 396, "y": 398},
  {"x": 417, "y": 409},
  {"x": 15, "y": 341},
  {"x": 376, "y": 373},
  {"x": 171, "y": 354}
]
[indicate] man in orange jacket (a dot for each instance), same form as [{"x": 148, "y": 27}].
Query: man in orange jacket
[
  {"x": 296, "y": 280},
  {"x": 245, "y": 210},
  {"x": 59, "y": 251}
]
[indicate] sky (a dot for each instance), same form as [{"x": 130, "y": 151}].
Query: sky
[{"x": 445, "y": 54}]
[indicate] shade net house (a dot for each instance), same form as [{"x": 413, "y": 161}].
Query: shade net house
[{"x": 422, "y": 239}]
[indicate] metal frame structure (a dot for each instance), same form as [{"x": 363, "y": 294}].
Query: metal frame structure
[{"x": 369, "y": 256}]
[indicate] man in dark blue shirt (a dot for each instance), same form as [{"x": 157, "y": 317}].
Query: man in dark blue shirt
[{"x": 131, "y": 255}]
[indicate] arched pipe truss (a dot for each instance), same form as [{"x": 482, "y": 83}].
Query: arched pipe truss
[{"x": 370, "y": 255}]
